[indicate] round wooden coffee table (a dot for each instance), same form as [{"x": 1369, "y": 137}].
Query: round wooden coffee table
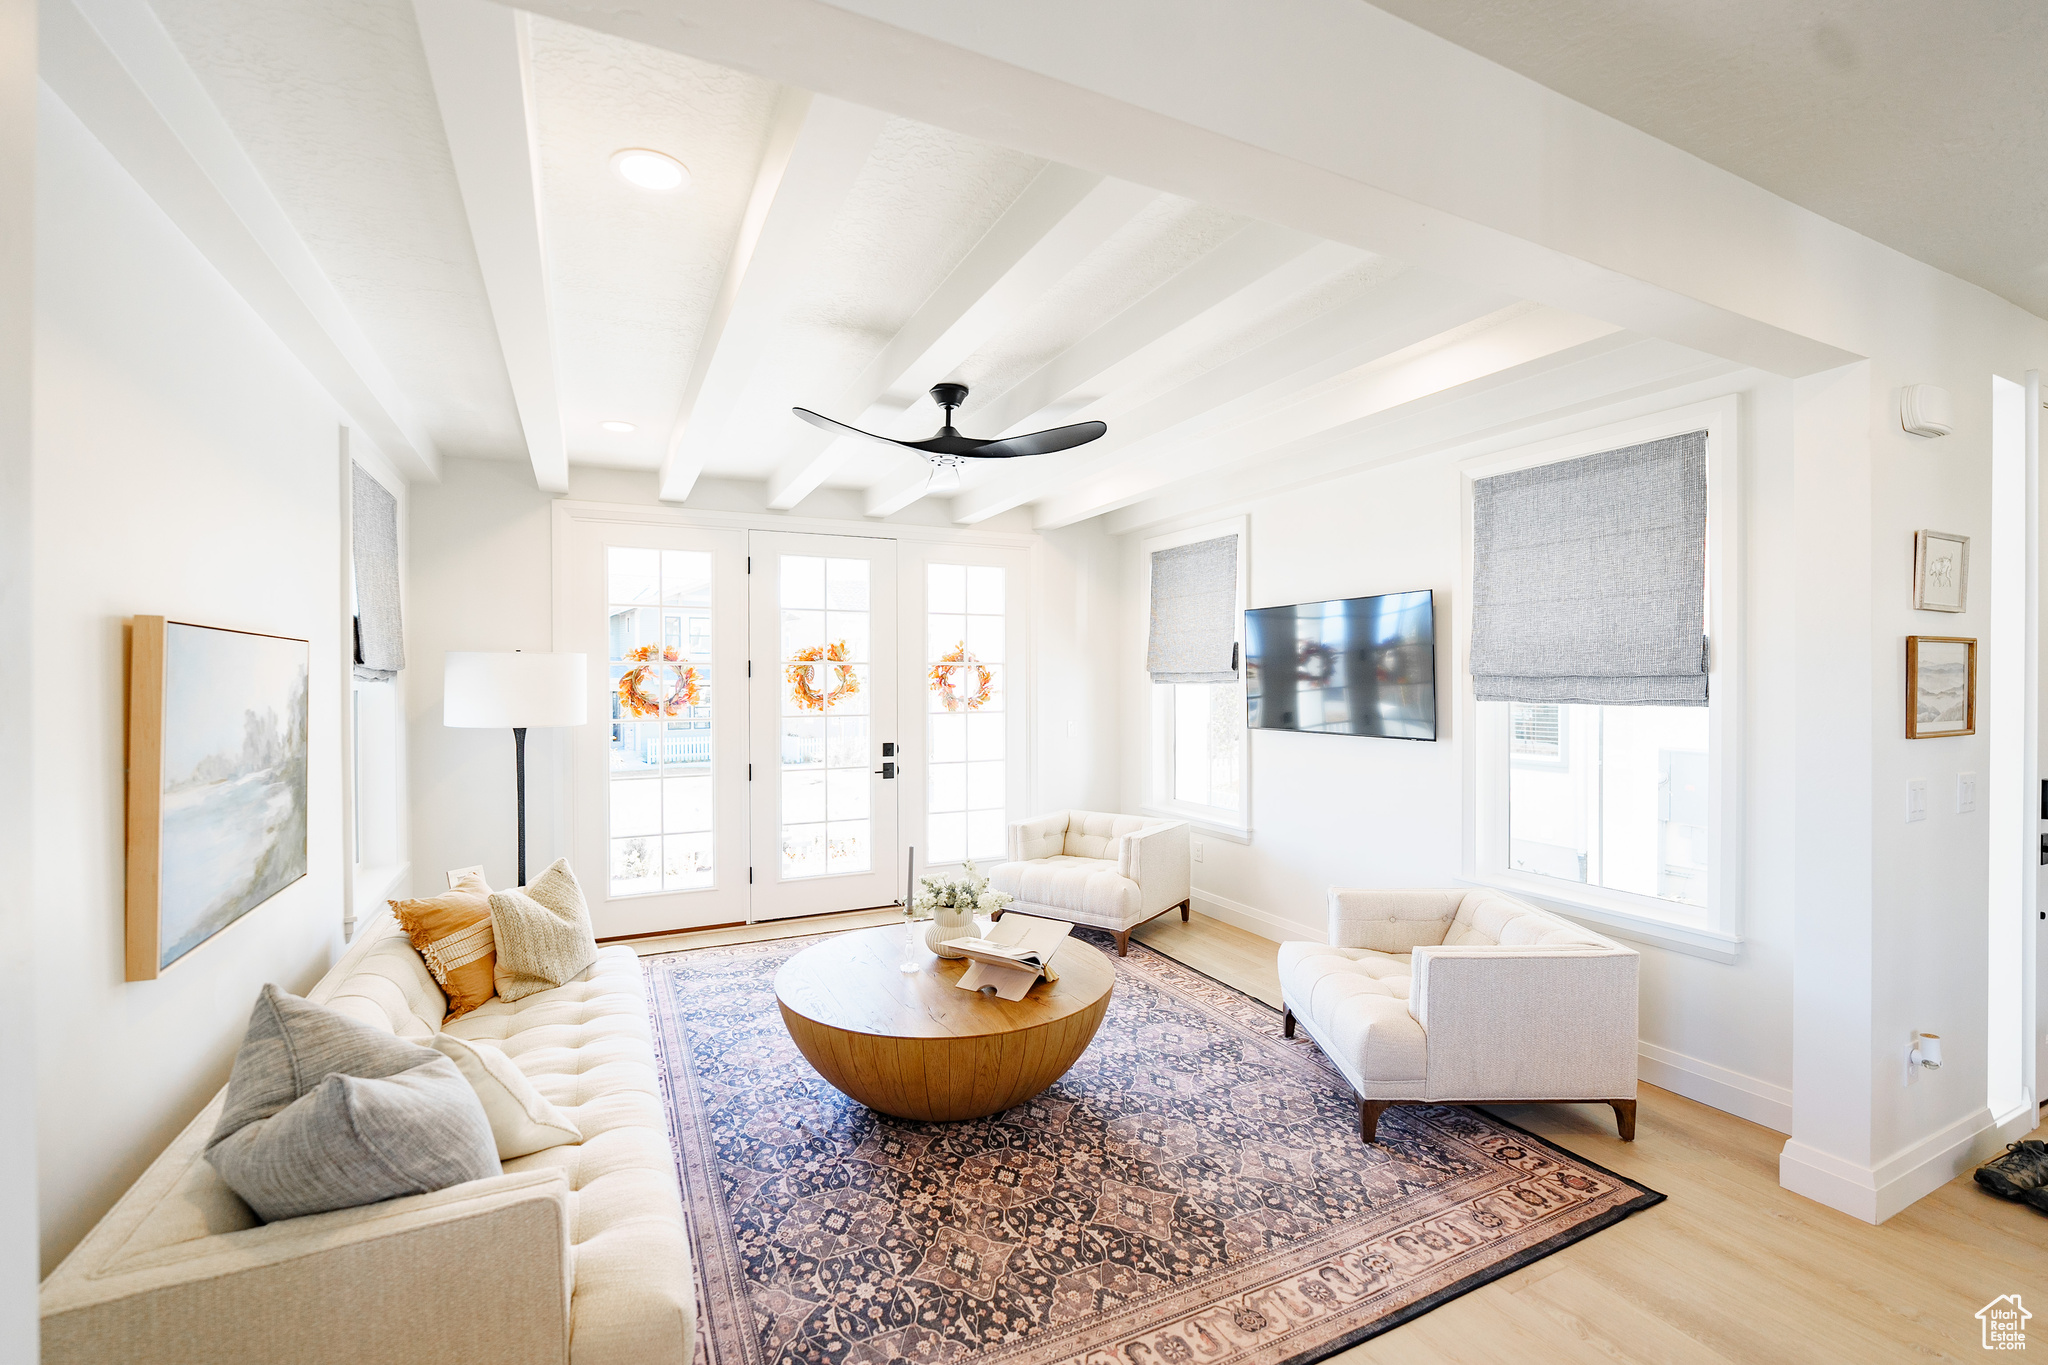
[{"x": 915, "y": 1045}]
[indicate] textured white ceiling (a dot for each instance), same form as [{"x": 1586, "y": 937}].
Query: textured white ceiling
[
  {"x": 335, "y": 105},
  {"x": 925, "y": 197},
  {"x": 1922, "y": 125},
  {"x": 332, "y": 101},
  {"x": 634, "y": 274}
]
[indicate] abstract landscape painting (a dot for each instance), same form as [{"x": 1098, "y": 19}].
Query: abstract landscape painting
[
  {"x": 1941, "y": 676},
  {"x": 230, "y": 779}
]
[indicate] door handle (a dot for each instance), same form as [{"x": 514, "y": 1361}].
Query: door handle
[{"x": 887, "y": 770}]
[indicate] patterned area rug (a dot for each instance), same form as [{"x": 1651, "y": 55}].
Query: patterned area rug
[{"x": 1193, "y": 1192}]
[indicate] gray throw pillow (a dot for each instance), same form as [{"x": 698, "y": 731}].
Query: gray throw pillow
[
  {"x": 292, "y": 1045},
  {"x": 543, "y": 933},
  {"x": 325, "y": 1112}
]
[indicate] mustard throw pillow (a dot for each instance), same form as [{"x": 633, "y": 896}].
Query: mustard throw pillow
[
  {"x": 542, "y": 932},
  {"x": 453, "y": 934}
]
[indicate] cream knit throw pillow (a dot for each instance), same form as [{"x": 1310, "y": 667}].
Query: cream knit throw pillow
[{"x": 543, "y": 933}]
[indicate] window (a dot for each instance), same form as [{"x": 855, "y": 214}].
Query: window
[
  {"x": 659, "y": 809},
  {"x": 966, "y": 815},
  {"x": 1197, "y": 739},
  {"x": 1622, "y": 814},
  {"x": 1618, "y": 799}
]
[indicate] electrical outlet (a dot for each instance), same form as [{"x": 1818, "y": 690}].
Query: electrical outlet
[
  {"x": 1073, "y": 729},
  {"x": 1916, "y": 801},
  {"x": 1198, "y": 850},
  {"x": 1966, "y": 793}
]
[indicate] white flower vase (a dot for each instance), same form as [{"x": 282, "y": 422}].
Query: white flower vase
[{"x": 949, "y": 922}]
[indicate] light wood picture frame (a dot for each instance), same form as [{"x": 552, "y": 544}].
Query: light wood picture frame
[
  {"x": 1941, "y": 686},
  {"x": 217, "y": 791},
  {"x": 1941, "y": 571}
]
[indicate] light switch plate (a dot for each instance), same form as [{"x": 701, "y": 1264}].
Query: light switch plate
[
  {"x": 1073, "y": 729},
  {"x": 1916, "y": 801},
  {"x": 1966, "y": 793},
  {"x": 1198, "y": 850}
]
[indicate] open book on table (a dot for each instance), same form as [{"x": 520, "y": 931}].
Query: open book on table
[{"x": 1013, "y": 955}]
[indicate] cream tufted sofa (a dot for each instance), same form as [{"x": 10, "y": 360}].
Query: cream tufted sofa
[
  {"x": 1112, "y": 872},
  {"x": 1465, "y": 996},
  {"x": 574, "y": 1254}
]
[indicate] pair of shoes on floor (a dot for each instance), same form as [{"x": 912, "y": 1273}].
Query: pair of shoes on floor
[{"x": 2022, "y": 1174}]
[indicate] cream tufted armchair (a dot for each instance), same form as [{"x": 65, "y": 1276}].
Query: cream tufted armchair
[
  {"x": 1465, "y": 996},
  {"x": 1110, "y": 872}
]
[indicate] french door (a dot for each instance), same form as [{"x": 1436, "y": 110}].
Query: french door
[
  {"x": 781, "y": 714},
  {"x": 823, "y": 707},
  {"x": 660, "y": 780}
]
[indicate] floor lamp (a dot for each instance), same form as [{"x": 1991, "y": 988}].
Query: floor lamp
[{"x": 518, "y": 692}]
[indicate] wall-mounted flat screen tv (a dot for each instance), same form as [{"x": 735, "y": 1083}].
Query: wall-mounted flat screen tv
[{"x": 1361, "y": 666}]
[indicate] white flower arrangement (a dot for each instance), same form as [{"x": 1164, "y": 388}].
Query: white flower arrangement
[{"x": 963, "y": 895}]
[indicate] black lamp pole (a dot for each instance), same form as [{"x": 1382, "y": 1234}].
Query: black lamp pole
[{"x": 519, "y": 766}]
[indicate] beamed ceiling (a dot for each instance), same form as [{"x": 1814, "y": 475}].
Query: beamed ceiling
[{"x": 446, "y": 166}]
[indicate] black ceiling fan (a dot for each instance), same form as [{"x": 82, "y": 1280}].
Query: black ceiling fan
[{"x": 949, "y": 447}]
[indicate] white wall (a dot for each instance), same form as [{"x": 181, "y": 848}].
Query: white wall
[
  {"x": 481, "y": 559},
  {"x": 187, "y": 465},
  {"x": 1343, "y": 811},
  {"x": 18, "y": 1260}
]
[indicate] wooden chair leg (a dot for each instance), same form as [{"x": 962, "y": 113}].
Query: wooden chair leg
[
  {"x": 1286, "y": 1023},
  {"x": 1123, "y": 943},
  {"x": 1184, "y": 912},
  {"x": 1369, "y": 1112},
  {"x": 1625, "y": 1119}
]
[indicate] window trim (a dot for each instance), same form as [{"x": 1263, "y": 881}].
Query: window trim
[
  {"x": 1159, "y": 800},
  {"x": 1716, "y": 930}
]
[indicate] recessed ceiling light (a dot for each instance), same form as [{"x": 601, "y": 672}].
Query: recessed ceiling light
[
  {"x": 621, "y": 427},
  {"x": 650, "y": 170}
]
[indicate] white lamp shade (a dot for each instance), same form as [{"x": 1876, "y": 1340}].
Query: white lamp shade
[{"x": 514, "y": 691}]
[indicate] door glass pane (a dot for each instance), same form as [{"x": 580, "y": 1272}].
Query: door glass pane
[
  {"x": 826, "y": 767},
  {"x": 966, "y": 774},
  {"x": 658, "y": 633}
]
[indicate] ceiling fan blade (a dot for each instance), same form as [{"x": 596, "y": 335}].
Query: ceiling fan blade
[
  {"x": 824, "y": 423},
  {"x": 1040, "y": 442}
]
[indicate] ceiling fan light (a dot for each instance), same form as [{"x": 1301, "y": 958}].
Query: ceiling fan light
[{"x": 650, "y": 170}]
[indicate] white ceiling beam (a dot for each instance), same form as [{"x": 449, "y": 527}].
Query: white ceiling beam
[
  {"x": 816, "y": 148},
  {"x": 1411, "y": 307},
  {"x": 1253, "y": 269},
  {"x": 478, "y": 56},
  {"x": 1529, "y": 402},
  {"x": 1516, "y": 336},
  {"x": 113, "y": 65},
  {"x": 1340, "y": 120},
  {"x": 1062, "y": 216}
]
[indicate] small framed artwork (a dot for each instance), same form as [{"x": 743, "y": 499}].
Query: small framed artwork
[
  {"x": 216, "y": 782},
  {"x": 1941, "y": 686},
  {"x": 1941, "y": 571}
]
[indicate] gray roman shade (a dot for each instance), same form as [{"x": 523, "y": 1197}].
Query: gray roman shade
[
  {"x": 380, "y": 636},
  {"x": 1589, "y": 579},
  {"x": 1194, "y": 613}
]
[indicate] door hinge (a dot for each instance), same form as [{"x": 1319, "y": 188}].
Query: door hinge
[
  {"x": 750, "y": 668},
  {"x": 750, "y": 772},
  {"x": 750, "y": 876},
  {"x": 750, "y": 569}
]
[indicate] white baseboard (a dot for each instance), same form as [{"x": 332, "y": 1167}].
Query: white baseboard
[
  {"x": 1875, "y": 1193},
  {"x": 1732, "y": 1092},
  {"x": 1252, "y": 921}
]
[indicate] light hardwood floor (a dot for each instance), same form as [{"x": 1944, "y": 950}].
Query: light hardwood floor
[{"x": 1729, "y": 1270}]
